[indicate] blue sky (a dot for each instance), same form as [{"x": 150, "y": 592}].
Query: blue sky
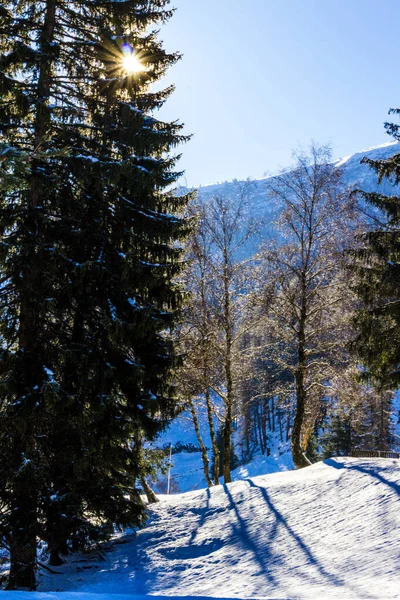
[{"x": 260, "y": 77}]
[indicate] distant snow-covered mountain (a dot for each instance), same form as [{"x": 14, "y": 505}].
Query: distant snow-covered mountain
[{"x": 355, "y": 175}]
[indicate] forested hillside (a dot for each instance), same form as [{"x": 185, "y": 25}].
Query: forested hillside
[{"x": 270, "y": 328}]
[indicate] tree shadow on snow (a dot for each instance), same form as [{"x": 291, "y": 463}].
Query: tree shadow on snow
[
  {"x": 192, "y": 551},
  {"x": 281, "y": 521},
  {"x": 258, "y": 549},
  {"x": 373, "y": 473},
  {"x": 203, "y": 515}
]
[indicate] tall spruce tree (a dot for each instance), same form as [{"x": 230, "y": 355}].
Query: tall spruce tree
[
  {"x": 90, "y": 249},
  {"x": 378, "y": 277}
]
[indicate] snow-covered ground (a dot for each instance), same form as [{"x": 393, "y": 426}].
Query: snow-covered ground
[
  {"x": 187, "y": 472},
  {"x": 328, "y": 531},
  {"x": 187, "y": 468}
]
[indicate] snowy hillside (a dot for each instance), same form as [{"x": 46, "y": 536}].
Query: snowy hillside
[
  {"x": 355, "y": 175},
  {"x": 187, "y": 470},
  {"x": 263, "y": 210},
  {"x": 187, "y": 467},
  {"x": 328, "y": 531}
]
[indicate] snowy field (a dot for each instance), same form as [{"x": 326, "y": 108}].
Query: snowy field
[{"x": 327, "y": 531}]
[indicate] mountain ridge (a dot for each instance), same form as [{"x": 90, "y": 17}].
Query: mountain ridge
[{"x": 379, "y": 152}]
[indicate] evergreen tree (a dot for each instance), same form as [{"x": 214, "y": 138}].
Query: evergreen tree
[
  {"x": 336, "y": 439},
  {"x": 89, "y": 255},
  {"x": 378, "y": 273}
]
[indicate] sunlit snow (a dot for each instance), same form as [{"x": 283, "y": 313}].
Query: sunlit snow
[{"x": 327, "y": 531}]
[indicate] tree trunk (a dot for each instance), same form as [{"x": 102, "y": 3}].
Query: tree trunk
[
  {"x": 56, "y": 548},
  {"x": 56, "y": 533},
  {"x": 204, "y": 454},
  {"x": 23, "y": 520},
  {"x": 273, "y": 413},
  {"x": 280, "y": 425},
  {"x": 259, "y": 429},
  {"x": 150, "y": 495},
  {"x": 297, "y": 451},
  {"x": 264, "y": 414},
  {"x": 22, "y": 541},
  {"x": 214, "y": 444},
  {"x": 300, "y": 376},
  {"x": 228, "y": 366},
  {"x": 227, "y": 444},
  {"x": 288, "y": 420},
  {"x": 206, "y": 381}
]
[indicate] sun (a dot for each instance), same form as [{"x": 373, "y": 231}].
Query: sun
[{"x": 130, "y": 62}]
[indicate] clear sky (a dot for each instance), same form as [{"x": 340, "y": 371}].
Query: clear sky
[{"x": 260, "y": 77}]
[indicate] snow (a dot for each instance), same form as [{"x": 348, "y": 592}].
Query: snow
[
  {"x": 262, "y": 465},
  {"x": 395, "y": 422},
  {"x": 187, "y": 467},
  {"x": 88, "y": 157},
  {"x": 325, "y": 532},
  {"x": 388, "y": 148},
  {"x": 380, "y": 151},
  {"x": 354, "y": 175},
  {"x": 50, "y": 375},
  {"x": 73, "y": 596}
]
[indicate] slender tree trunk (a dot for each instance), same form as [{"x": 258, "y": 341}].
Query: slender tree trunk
[
  {"x": 382, "y": 441},
  {"x": 259, "y": 429},
  {"x": 206, "y": 382},
  {"x": 150, "y": 495},
  {"x": 216, "y": 453},
  {"x": 227, "y": 432},
  {"x": 273, "y": 413},
  {"x": 264, "y": 414},
  {"x": 300, "y": 376},
  {"x": 280, "y": 425},
  {"x": 203, "y": 449},
  {"x": 288, "y": 421}
]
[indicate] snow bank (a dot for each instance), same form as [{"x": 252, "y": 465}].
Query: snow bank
[{"x": 327, "y": 531}]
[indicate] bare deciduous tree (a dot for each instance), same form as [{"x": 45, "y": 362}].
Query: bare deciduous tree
[
  {"x": 220, "y": 290},
  {"x": 309, "y": 311}
]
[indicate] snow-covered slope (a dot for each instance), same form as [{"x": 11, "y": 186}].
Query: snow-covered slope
[
  {"x": 360, "y": 175},
  {"x": 264, "y": 210},
  {"x": 327, "y": 531},
  {"x": 187, "y": 468},
  {"x": 354, "y": 175}
]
